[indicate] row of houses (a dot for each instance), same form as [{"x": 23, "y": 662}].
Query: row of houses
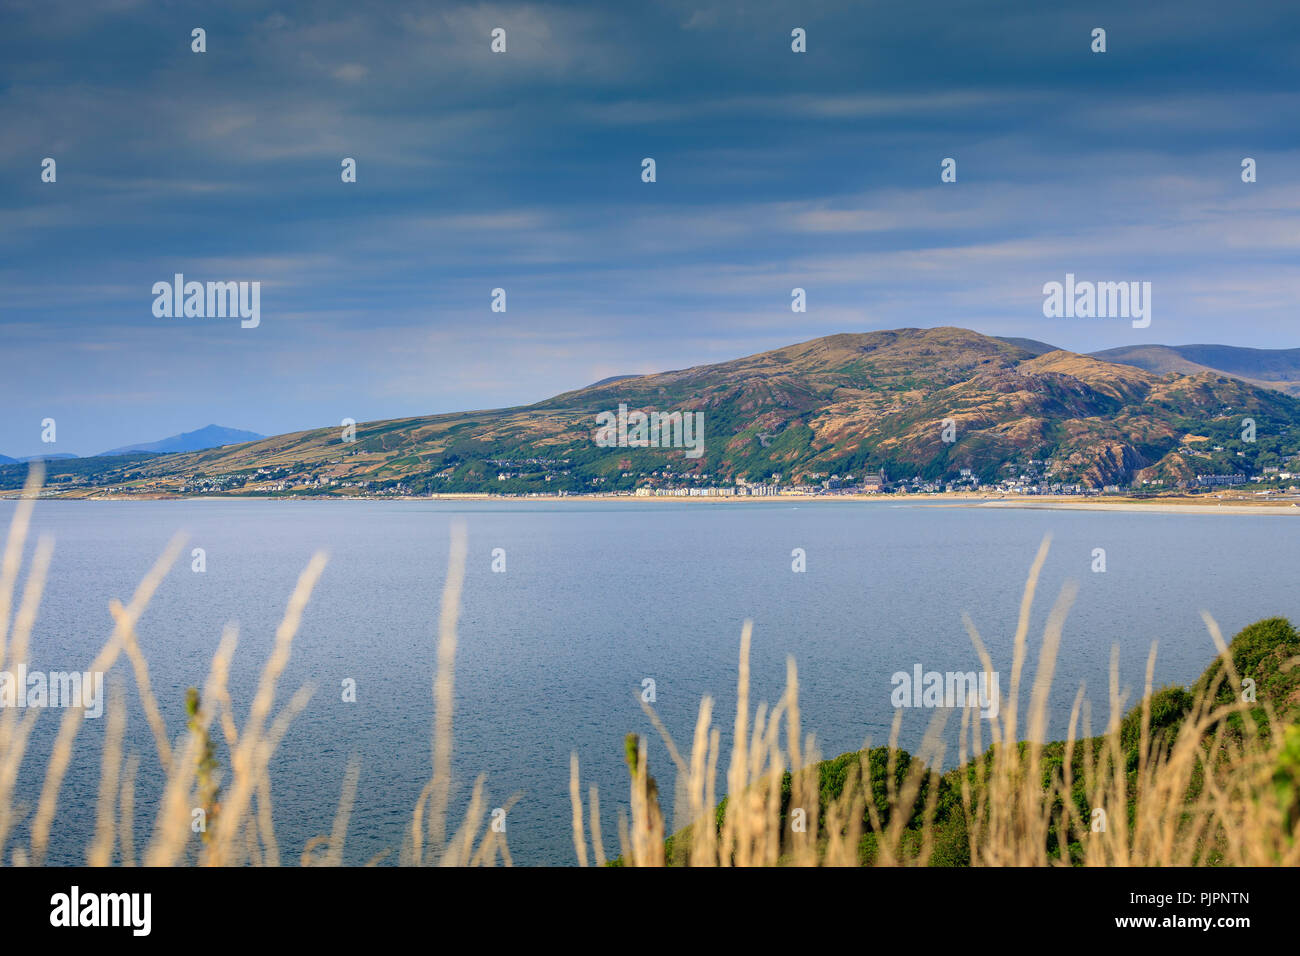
[
  {"x": 1221, "y": 481},
  {"x": 739, "y": 491}
]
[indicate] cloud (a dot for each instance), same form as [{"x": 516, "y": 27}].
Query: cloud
[{"x": 522, "y": 171}]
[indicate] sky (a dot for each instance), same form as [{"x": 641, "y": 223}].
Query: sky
[{"x": 522, "y": 171}]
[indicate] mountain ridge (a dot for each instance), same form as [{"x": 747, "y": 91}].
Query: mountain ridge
[
  {"x": 923, "y": 403},
  {"x": 1269, "y": 368}
]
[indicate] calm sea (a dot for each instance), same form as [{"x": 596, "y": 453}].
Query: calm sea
[{"x": 596, "y": 598}]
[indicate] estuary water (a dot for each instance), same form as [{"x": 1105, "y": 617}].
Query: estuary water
[{"x": 596, "y": 598}]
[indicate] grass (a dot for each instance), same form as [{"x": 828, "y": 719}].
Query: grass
[{"x": 1206, "y": 776}]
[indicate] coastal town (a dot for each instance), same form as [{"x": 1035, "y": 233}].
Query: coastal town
[{"x": 322, "y": 480}]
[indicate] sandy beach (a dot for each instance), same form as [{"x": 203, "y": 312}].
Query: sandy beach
[{"x": 1173, "y": 504}]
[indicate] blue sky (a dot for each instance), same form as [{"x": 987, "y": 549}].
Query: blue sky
[{"x": 522, "y": 171}]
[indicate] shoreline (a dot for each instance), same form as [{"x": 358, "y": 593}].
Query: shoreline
[{"x": 1167, "y": 505}]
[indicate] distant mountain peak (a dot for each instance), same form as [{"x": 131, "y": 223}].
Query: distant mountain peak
[{"x": 209, "y": 436}]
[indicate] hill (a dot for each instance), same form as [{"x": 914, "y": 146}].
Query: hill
[
  {"x": 913, "y": 402},
  {"x": 1269, "y": 368}
]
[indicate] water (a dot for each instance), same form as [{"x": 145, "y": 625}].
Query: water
[{"x": 598, "y": 596}]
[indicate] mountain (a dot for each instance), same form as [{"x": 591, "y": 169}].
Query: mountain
[
  {"x": 1269, "y": 368},
  {"x": 1032, "y": 346},
  {"x": 211, "y": 436},
  {"x": 846, "y": 404},
  {"x": 6, "y": 460}
]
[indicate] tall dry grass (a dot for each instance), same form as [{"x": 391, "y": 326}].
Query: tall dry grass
[
  {"x": 1201, "y": 796},
  {"x": 237, "y": 816}
]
